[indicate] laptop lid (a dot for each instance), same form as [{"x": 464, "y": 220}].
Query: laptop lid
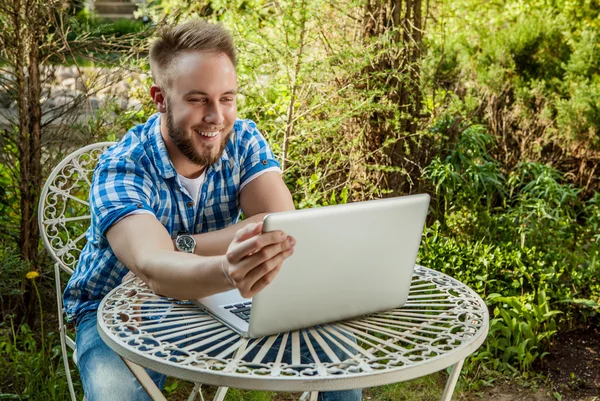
[{"x": 349, "y": 260}]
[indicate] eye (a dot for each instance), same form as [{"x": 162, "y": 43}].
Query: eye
[
  {"x": 228, "y": 99},
  {"x": 196, "y": 100}
]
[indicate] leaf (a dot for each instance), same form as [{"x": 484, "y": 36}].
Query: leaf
[
  {"x": 590, "y": 303},
  {"x": 552, "y": 313}
]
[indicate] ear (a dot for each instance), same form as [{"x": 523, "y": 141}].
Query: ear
[{"x": 159, "y": 97}]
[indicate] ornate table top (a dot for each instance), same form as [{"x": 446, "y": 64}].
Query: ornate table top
[{"x": 442, "y": 323}]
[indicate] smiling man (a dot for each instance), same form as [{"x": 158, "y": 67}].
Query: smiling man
[{"x": 165, "y": 202}]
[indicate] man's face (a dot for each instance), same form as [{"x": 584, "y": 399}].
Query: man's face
[{"x": 201, "y": 105}]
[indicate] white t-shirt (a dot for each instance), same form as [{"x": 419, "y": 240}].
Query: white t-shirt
[{"x": 193, "y": 185}]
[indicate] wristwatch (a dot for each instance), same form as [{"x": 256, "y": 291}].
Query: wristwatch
[{"x": 185, "y": 242}]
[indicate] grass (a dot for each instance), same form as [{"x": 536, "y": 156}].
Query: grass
[{"x": 426, "y": 388}]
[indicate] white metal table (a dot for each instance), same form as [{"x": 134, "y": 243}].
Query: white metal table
[{"x": 443, "y": 322}]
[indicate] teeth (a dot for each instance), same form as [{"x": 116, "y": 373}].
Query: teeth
[{"x": 210, "y": 134}]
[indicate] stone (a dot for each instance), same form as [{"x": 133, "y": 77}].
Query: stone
[
  {"x": 135, "y": 104},
  {"x": 105, "y": 92},
  {"x": 63, "y": 73},
  {"x": 61, "y": 98},
  {"x": 69, "y": 83},
  {"x": 80, "y": 86},
  {"x": 93, "y": 104},
  {"x": 122, "y": 103},
  {"x": 76, "y": 72},
  {"x": 121, "y": 88}
]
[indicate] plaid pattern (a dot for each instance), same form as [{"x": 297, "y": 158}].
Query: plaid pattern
[{"x": 137, "y": 174}]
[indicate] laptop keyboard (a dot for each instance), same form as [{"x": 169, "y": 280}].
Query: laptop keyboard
[{"x": 241, "y": 310}]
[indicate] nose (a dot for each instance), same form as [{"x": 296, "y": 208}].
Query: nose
[{"x": 214, "y": 114}]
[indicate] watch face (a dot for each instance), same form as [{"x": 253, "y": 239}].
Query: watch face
[{"x": 186, "y": 243}]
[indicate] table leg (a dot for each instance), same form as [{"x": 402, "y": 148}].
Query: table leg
[
  {"x": 452, "y": 380},
  {"x": 220, "y": 394},
  {"x": 145, "y": 380}
]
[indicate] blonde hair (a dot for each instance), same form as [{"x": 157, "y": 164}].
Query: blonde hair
[{"x": 193, "y": 35}]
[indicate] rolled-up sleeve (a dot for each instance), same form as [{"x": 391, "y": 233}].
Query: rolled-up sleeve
[
  {"x": 256, "y": 156},
  {"x": 120, "y": 187}
]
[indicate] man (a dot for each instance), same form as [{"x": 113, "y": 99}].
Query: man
[{"x": 166, "y": 199}]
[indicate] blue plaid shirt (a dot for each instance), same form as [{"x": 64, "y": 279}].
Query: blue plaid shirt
[{"x": 137, "y": 174}]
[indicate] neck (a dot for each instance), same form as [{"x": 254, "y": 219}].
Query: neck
[{"x": 182, "y": 164}]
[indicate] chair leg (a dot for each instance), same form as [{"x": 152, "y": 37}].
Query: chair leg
[
  {"x": 62, "y": 331},
  {"x": 310, "y": 396},
  {"x": 452, "y": 380},
  {"x": 65, "y": 357},
  {"x": 197, "y": 390}
]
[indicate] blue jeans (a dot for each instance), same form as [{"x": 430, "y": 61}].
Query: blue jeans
[{"x": 106, "y": 377}]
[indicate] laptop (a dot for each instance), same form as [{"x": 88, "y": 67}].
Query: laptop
[{"x": 349, "y": 260}]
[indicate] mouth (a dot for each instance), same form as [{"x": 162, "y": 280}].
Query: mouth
[{"x": 208, "y": 133}]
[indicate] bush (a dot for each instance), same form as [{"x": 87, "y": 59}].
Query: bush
[
  {"x": 523, "y": 241},
  {"x": 31, "y": 366}
]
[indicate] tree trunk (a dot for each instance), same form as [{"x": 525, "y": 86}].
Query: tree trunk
[
  {"x": 30, "y": 234},
  {"x": 396, "y": 74},
  {"x": 26, "y": 65},
  {"x": 33, "y": 186}
]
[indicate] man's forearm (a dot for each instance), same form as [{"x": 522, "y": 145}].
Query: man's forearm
[
  {"x": 188, "y": 276},
  {"x": 216, "y": 242},
  {"x": 142, "y": 244}
]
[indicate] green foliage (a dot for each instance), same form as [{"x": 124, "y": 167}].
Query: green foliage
[
  {"x": 86, "y": 23},
  {"x": 520, "y": 330},
  {"x": 542, "y": 203},
  {"x": 510, "y": 237},
  {"x": 31, "y": 366},
  {"x": 534, "y": 64},
  {"x": 12, "y": 279},
  {"x": 12, "y": 273},
  {"x": 468, "y": 175},
  {"x": 578, "y": 117}
]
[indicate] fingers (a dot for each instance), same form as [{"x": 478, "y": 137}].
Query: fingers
[
  {"x": 266, "y": 259},
  {"x": 247, "y": 232},
  {"x": 254, "y": 258},
  {"x": 261, "y": 255},
  {"x": 263, "y": 267},
  {"x": 264, "y": 281},
  {"x": 253, "y": 244}
]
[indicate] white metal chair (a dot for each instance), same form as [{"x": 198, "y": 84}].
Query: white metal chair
[{"x": 64, "y": 217}]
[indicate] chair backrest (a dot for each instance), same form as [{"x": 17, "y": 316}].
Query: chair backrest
[
  {"x": 63, "y": 218},
  {"x": 63, "y": 213}
]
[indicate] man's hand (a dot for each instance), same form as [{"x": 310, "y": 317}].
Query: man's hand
[{"x": 254, "y": 258}]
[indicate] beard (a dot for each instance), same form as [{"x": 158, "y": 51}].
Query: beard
[{"x": 184, "y": 143}]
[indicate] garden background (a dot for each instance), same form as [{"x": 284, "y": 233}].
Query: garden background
[{"x": 492, "y": 107}]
